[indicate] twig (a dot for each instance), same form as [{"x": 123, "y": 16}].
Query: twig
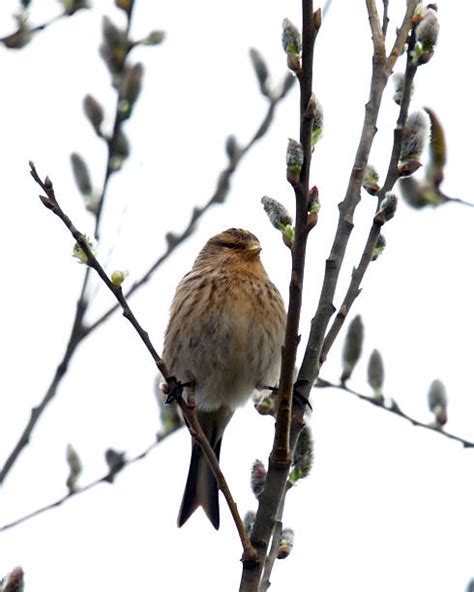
[
  {"x": 385, "y": 19},
  {"x": 395, "y": 409},
  {"x": 50, "y": 202},
  {"x": 391, "y": 178}
]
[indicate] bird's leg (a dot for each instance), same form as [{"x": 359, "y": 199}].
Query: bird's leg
[{"x": 173, "y": 390}]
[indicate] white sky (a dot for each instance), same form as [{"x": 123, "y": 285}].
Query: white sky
[{"x": 388, "y": 506}]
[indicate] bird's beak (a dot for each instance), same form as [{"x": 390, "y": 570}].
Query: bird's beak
[{"x": 253, "y": 250}]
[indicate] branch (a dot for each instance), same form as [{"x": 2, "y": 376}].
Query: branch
[
  {"x": 272, "y": 496},
  {"x": 312, "y": 358},
  {"x": 50, "y": 202},
  {"x": 23, "y": 35},
  {"x": 107, "y": 478},
  {"x": 391, "y": 178},
  {"x": 395, "y": 409}
]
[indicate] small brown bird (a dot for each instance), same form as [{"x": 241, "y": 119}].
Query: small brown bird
[{"x": 224, "y": 336}]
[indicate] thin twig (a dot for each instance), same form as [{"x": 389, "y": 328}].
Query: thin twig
[
  {"x": 50, "y": 202},
  {"x": 393, "y": 407},
  {"x": 385, "y": 19}
]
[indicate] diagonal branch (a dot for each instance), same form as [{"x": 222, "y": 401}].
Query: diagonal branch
[
  {"x": 391, "y": 178},
  {"x": 175, "y": 388},
  {"x": 325, "y": 309}
]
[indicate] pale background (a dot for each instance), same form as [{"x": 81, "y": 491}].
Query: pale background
[{"x": 388, "y": 506}]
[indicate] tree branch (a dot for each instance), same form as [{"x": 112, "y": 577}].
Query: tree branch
[
  {"x": 50, "y": 202},
  {"x": 391, "y": 178},
  {"x": 271, "y": 498},
  {"x": 395, "y": 409}
]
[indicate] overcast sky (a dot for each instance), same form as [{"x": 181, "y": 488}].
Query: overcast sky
[{"x": 388, "y": 506}]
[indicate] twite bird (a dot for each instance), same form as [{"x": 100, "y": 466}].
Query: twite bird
[{"x": 223, "y": 340}]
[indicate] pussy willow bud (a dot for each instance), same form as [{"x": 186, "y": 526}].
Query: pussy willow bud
[
  {"x": 418, "y": 195},
  {"x": 290, "y": 38},
  {"x": 370, "y": 180},
  {"x": 261, "y": 70},
  {"x": 94, "y": 112},
  {"x": 398, "y": 80},
  {"x": 318, "y": 122},
  {"x": 314, "y": 205},
  {"x": 130, "y": 87},
  {"x": 154, "y": 38},
  {"x": 438, "y": 402},
  {"x": 387, "y": 209},
  {"x": 264, "y": 404},
  {"x": 249, "y": 521},
  {"x": 303, "y": 457},
  {"x": 81, "y": 174},
  {"x": 294, "y": 158},
  {"x": 115, "y": 462},
  {"x": 114, "y": 47},
  {"x": 22, "y": 36},
  {"x": 413, "y": 137},
  {"x": 470, "y": 586},
  {"x": 286, "y": 543},
  {"x": 280, "y": 219},
  {"x": 379, "y": 247},
  {"x": 375, "y": 373},
  {"x": 118, "y": 276},
  {"x": 120, "y": 150},
  {"x": 276, "y": 212},
  {"x": 352, "y": 347},
  {"x": 80, "y": 254},
  {"x": 124, "y": 4},
  {"x": 14, "y": 581},
  {"x": 72, "y": 6},
  {"x": 75, "y": 468},
  {"x": 426, "y": 36},
  {"x": 438, "y": 150},
  {"x": 258, "y": 476}
]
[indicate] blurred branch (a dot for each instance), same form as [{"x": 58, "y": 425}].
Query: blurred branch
[
  {"x": 107, "y": 478},
  {"x": 78, "y": 332},
  {"x": 175, "y": 388},
  {"x": 24, "y": 33},
  {"x": 219, "y": 196},
  {"x": 393, "y": 407}
]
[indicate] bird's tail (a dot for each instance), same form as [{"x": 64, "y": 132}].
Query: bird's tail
[{"x": 201, "y": 486}]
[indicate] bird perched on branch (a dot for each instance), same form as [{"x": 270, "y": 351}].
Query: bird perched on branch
[{"x": 223, "y": 340}]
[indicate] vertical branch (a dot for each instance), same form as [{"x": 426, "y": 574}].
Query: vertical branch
[{"x": 280, "y": 458}]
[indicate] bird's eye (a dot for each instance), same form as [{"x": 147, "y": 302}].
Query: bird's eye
[{"x": 229, "y": 245}]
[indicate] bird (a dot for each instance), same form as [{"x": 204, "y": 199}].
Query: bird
[{"x": 223, "y": 340}]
